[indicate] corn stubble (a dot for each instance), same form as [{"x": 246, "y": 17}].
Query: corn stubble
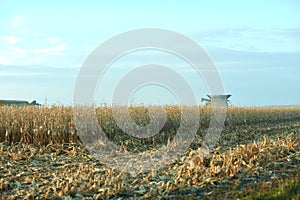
[{"x": 42, "y": 156}]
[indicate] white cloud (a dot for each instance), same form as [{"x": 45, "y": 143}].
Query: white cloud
[
  {"x": 54, "y": 40},
  {"x": 24, "y": 32},
  {"x": 36, "y": 34},
  {"x": 253, "y": 40},
  {"x": 51, "y": 51},
  {"x": 17, "y": 21},
  {"x": 19, "y": 56},
  {"x": 4, "y": 60},
  {"x": 10, "y": 57},
  {"x": 20, "y": 73},
  {"x": 89, "y": 47},
  {"x": 11, "y": 40}
]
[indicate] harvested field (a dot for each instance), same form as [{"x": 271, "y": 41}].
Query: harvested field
[{"x": 42, "y": 157}]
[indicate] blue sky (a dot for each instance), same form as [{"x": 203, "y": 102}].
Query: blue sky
[{"x": 254, "y": 44}]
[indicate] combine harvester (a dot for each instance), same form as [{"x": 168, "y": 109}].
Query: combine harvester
[
  {"x": 18, "y": 103},
  {"x": 220, "y": 99}
]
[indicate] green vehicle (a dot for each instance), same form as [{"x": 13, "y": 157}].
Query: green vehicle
[{"x": 18, "y": 103}]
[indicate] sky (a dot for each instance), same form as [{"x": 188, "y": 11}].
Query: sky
[{"x": 255, "y": 45}]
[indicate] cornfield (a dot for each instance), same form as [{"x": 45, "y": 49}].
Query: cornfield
[{"x": 43, "y": 157}]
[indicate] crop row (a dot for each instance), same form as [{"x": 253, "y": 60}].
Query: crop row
[{"x": 45, "y": 125}]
